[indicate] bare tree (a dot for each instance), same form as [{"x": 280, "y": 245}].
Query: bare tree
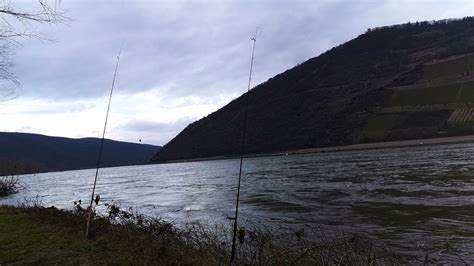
[{"x": 17, "y": 24}]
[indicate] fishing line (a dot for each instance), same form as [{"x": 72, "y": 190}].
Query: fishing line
[
  {"x": 232, "y": 256},
  {"x": 102, "y": 142}
]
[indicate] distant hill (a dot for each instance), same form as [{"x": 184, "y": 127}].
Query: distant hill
[
  {"x": 391, "y": 83},
  {"x": 30, "y": 153}
]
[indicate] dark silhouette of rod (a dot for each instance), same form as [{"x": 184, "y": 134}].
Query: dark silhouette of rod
[
  {"x": 102, "y": 144},
  {"x": 232, "y": 255}
]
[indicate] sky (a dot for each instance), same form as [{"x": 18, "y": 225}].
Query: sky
[{"x": 181, "y": 60}]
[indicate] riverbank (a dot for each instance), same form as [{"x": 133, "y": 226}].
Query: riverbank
[
  {"x": 37, "y": 235},
  {"x": 354, "y": 147}
]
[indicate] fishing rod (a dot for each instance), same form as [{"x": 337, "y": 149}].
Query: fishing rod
[
  {"x": 232, "y": 256},
  {"x": 102, "y": 143}
]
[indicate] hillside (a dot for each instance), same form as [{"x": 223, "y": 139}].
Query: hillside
[
  {"x": 390, "y": 83},
  {"x": 30, "y": 153}
]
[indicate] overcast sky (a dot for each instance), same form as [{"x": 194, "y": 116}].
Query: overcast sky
[{"x": 181, "y": 60}]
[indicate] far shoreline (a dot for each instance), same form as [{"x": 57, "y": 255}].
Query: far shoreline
[{"x": 353, "y": 147}]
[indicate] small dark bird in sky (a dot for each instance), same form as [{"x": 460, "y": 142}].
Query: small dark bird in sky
[{"x": 140, "y": 140}]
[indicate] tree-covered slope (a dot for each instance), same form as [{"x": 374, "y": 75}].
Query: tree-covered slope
[
  {"x": 334, "y": 99},
  {"x": 28, "y": 153}
]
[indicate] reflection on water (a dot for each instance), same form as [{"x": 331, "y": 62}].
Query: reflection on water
[{"x": 415, "y": 199}]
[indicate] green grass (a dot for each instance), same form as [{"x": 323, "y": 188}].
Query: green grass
[
  {"x": 24, "y": 240},
  {"x": 50, "y": 236}
]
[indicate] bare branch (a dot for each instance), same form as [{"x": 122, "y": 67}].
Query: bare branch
[
  {"x": 45, "y": 14},
  {"x": 11, "y": 34}
]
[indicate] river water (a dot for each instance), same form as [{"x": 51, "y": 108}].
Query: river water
[{"x": 415, "y": 200}]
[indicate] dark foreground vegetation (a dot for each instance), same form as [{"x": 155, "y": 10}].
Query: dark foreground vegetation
[
  {"x": 31, "y": 234},
  {"x": 9, "y": 185}
]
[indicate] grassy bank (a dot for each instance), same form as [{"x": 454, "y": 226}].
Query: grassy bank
[
  {"x": 47, "y": 235},
  {"x": 37, "y": 235}
]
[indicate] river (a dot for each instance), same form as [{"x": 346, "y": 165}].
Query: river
[{"x": 415, "y": 200}]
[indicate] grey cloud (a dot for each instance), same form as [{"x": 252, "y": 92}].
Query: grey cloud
[
  {"x": 54, "y": 107},
  {"x": 26, "y": 129}
]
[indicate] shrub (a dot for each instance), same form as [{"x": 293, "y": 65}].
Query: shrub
[{"x": 9, "y": 185}]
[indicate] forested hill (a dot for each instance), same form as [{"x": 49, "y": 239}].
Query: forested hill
[
  {"x": 396, "y": 82},
  {"x": 32, "y": 153}
]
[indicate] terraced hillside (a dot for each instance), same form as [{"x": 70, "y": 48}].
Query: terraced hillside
[
  {"x": 439, "y": 103},
  {"x": 397, "y": 82}
]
